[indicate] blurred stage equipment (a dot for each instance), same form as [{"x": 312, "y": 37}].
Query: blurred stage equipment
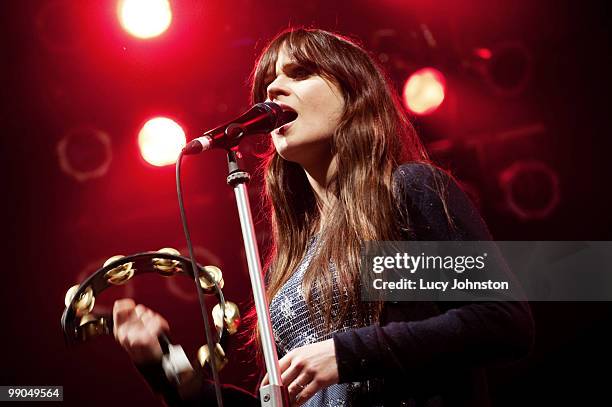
[
  {"x": 80, "y": 323},
  {"x": 385, "y": 44},
  {"x": 398, "y": 52},
  {"x": 85, "y": 153},
  {"x": 531, "y": 189},
  {"x": 506, "y": 67}
]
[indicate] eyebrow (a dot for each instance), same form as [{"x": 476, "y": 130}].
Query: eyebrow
[
  {"x": 270, "y": 77},
  {"x": 291, "y": 64}
]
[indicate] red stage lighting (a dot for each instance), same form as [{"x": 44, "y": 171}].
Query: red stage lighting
[
  {"x": 160, "y": 141},
  {"x": 424, "y": 91},
  {"x": 144, "y": 18},
  {"x": 483, "y": 53}
]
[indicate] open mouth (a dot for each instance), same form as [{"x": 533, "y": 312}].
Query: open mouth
[
  {"x": 288, "y": 117},
  {"x": 289, "y": 114}
]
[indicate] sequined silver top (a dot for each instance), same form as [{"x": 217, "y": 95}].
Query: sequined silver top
[{"x": 294, "y": 326}]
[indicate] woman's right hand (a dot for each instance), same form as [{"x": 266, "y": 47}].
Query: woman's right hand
[{"x": 136, "y": 328}]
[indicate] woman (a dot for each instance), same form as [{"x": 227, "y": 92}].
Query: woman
[{"x": 334, "y": 180}]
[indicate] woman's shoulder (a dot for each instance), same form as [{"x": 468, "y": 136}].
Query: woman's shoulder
[
  {"x": 419, "y": 174},
  {"x": 422, "y": 183},
  {"x": 436, "y": 205}
]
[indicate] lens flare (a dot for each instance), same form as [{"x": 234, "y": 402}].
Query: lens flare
[
  {"x": 145, "y": 18},
  {"x": 160, "y": 141},
  {"x": 424, "y": 91}
]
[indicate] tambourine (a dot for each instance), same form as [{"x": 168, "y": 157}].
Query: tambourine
[{"x": 80, "y": 323}]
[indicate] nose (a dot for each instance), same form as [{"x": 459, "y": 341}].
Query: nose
[{"x": 277, "y": 88}]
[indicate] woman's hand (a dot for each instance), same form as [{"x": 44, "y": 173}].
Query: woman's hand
[
  {"x": 136, "y": 328},
  {"x": 308, "y": 369}
]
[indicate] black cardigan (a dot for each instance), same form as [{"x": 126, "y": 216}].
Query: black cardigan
[{"x": 421, "y": 353}]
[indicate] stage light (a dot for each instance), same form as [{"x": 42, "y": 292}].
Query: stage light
[
  {"x": 85, "y": 153},
  {"x": 160, "y": 141},
  {"x": 531, "y": 189},
  {"x": 424, "y": 91},
  {"x": 483, "y": 53},
  {"x": 145, "y": 18},
  {"x": 509, "y": 68}
]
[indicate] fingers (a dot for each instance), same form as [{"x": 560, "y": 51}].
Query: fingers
[
  {"x": 286, "y": 361},
  {"x": 295, "y": 379},
  {"x": 154, "y": 323},
  {"x": 123, "y": 316},
  {"x": 299, "y": 387},
  {"x": 295, "y": 375},
  {"x": 288, "y": 367},
  {"x": 137, "y": 329},
  {"x": 308, "y": 369},
  {"x": 122, "y": 310},
  {"x": 140, "y": 309},
  {"x": 283, "y": 364},
  {"x": 309, "y": 390},
  {"x": 143, "y": 347}
]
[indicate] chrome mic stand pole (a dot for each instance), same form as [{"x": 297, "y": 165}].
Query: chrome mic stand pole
[{"x": 274, "y": 394}]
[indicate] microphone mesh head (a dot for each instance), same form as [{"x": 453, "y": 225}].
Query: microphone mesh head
[
  {"x": 280, "y": 117},
  {"x": 274, "y": 110}
]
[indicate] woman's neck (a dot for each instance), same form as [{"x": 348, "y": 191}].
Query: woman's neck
[{"x": 320, "y": 176}]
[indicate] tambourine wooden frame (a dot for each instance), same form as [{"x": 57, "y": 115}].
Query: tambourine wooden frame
[{"x": 143, "y": 264}]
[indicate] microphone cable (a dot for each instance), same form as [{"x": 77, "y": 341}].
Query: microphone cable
[{"x": 212, "y": 344}]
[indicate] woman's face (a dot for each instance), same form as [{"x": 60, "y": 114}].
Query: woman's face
[{"x": 319, "y": 104}]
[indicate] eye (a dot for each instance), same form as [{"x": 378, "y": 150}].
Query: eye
[{"x": 298, "y": 72}]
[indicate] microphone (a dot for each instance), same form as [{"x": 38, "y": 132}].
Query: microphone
[{"x": 260, "y": 119}]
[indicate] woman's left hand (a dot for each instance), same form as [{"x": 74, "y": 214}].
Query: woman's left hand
[{"x": 308, "y": 369}]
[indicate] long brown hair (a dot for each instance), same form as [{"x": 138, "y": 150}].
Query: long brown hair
[{"x": 373, "y": 138}]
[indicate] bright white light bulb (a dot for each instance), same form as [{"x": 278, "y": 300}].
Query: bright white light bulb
[
  {"x": 424, "y": 91},
  {"x": 145, "y": 18},
  {"x": 161, "y": 141}
]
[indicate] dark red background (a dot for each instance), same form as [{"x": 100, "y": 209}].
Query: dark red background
[{"x": 68, "y": 64}]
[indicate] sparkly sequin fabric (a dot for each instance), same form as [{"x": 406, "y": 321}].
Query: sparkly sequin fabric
[{"x": 293, "y": 327}]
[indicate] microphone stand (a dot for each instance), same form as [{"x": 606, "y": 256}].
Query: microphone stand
[{"x": 274, "y": 394}]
